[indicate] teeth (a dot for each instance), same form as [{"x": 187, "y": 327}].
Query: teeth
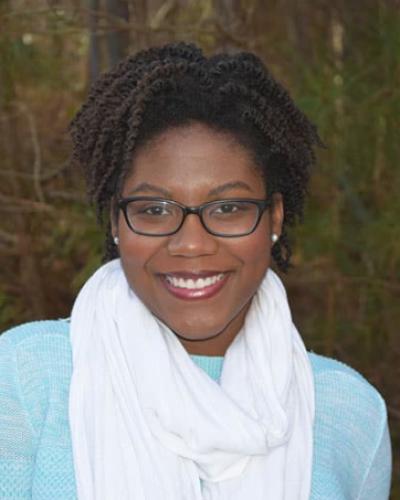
[{"x": 194, "y": 284}]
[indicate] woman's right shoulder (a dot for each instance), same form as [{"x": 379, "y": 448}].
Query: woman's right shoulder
[
  {"x": 35, "y": 368},
  {"x": 41, "y": 342},
  {"x": 36, "y": 331},
  {"x": 35, "y": 372}
]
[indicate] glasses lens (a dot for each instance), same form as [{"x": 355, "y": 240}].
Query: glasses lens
[
  {"x": 231, "y": 218},
  {"x": 153, "y": 217}
]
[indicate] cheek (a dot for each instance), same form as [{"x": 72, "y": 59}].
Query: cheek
[
  {"x": 136, "y": 252},
  {"x": 254, "y": 250}
]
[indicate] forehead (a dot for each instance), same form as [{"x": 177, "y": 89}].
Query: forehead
[{"x": 193, "y": 160}]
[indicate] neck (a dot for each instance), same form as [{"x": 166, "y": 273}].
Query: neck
[
  {"x": 218, "y": 344},
  {"x": 214, "y": 347}
]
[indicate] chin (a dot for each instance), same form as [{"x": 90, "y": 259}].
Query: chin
[
  {"x": 194, "y": 328},
  {"x": 196, "y": 331}
]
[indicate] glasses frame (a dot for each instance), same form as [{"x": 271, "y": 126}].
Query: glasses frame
[{"x": 262, "y": 205}]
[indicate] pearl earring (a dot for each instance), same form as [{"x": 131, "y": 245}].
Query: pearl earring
[
  {"x": 116, "y": 240},
  {"x": 274, "y": 237}
]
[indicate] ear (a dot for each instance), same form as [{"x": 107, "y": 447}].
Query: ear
[{"x": 277, "y": 213}]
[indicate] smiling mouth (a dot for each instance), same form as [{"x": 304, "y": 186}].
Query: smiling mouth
[{"x": 190, "y": 286}]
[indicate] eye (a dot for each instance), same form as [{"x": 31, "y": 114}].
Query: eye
[
  {"x": 140, "y": 208},
  {"x": 155, "y": 210},
  {"x": 229, "y": 208}
]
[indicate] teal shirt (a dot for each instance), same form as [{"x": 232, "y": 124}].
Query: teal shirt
[{"x": 352, "y": 456}]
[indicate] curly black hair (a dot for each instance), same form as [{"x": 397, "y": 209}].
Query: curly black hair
[{"x": 175, "y": 85}]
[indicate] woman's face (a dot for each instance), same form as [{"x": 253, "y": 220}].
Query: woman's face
[{"x": 193, "y": 165}]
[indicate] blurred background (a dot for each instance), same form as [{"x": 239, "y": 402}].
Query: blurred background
[{"x": 341, "y": 62}]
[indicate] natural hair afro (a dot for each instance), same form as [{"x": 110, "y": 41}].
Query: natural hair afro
[{"x": 175, "y": 85}]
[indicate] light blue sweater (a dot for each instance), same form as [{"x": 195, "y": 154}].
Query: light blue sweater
[{"x": 352, "y": 458}]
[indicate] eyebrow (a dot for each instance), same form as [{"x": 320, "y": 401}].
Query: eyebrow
[
  {"x": 228, "y": 186},
  {"x": 147, "y": 187}
]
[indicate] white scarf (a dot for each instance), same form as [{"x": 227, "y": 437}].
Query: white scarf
[{"x": 148, "y": 423}]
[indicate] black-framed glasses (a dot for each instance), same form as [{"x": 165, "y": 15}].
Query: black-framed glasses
[{"x": 159, "y": 217}]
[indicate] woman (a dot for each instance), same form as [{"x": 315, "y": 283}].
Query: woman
[{"x": 188, "y": 379}]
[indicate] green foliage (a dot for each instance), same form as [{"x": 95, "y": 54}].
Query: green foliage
[{"x": 8, "y": 308}]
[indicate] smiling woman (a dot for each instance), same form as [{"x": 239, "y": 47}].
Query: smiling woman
[
  {"x": 193, "y": 165},
  {"x": 188, "y": 378}
]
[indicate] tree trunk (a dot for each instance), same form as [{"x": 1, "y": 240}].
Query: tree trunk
[
  {"x": 94, "y": 44},
  {"x": 140, "y": 13},
  {"x": 118, "y": 35}
]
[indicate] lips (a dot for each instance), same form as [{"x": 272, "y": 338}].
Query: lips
[{"x": 189, "y": 286}]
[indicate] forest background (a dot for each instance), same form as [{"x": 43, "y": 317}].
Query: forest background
[{"x": 341, "y": 62}]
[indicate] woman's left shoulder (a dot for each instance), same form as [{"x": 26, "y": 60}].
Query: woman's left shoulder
[
  {"x": 351, "y": 431},
  {"x": 339, "y": 385},
  {"x": 348, "y": 408},
  {"x": 335, "y": 376}
]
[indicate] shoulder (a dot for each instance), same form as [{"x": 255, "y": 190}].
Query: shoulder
[
  {"x": 351, "y": 415},
  {"x": 36, "y": 354},
  {"x": 35, "y": 370},
  {"x": 342, "y": 391},
  {"x": 340, "y": 384},
  {"x": 351, "y": 438},
  {"x": 36, "y": 350},
  {"x": 35, "y": 331},
  {"x": 38, "y": 338}
]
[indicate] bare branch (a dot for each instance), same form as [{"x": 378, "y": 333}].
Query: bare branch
[
  {"x": 46, "y": 176},
  {"x": 37, "y": 162},
  {"x": 162, "y": 13},
  {"x": 13, "y": 204},
  {"x": 68, "y": 195}
]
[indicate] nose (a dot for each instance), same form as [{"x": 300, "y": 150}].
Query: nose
[{"x": 192, "y": 240}]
